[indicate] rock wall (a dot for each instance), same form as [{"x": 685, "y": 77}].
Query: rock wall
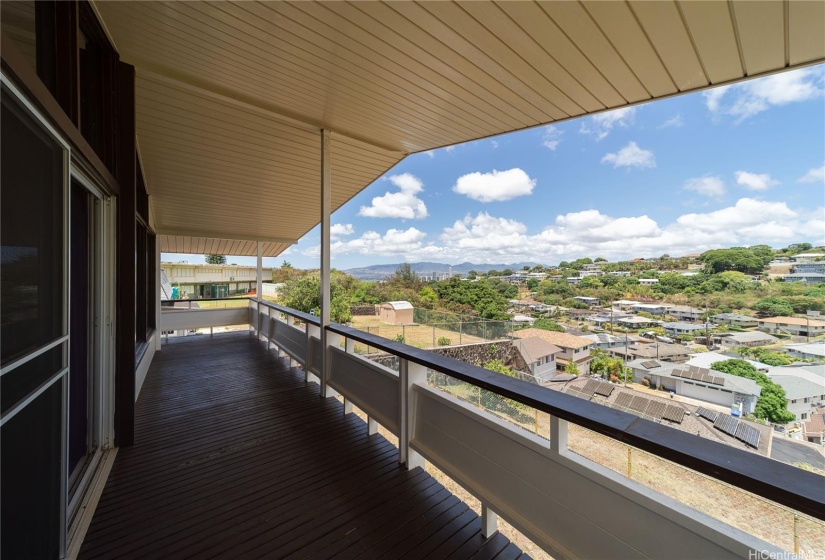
[{"x": 476, "y": 354}]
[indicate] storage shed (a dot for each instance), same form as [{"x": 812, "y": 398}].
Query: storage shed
[{"x": 397, "y": 312}]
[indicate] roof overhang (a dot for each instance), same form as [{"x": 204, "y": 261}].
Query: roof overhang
[{"x": 231, "y": 96}]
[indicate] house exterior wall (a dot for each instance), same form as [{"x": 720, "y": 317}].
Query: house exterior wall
[
  {"x": 393, "y": 316},
  {"x": 799, "y": 330}
]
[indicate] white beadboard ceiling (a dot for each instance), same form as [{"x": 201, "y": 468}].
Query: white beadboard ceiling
[{"x": 231, "y": 96}]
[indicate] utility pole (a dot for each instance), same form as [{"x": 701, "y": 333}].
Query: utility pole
[
  {"x": 707, "y": 336},
  {"x": 611, "y": 317}
]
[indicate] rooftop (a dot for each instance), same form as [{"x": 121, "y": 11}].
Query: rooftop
[
  {"x": 562, "y": 340},
  {"x": 793, "y": 321},
  {"x": 733, "y": 317},
  {"x": 815, "y": 348},
  {"x": 798, "y": 387},
  {"x": 754, "y": 336},
  {"x": 732, "y": 382},
  {"x": 678, "y": 325},
  {"x": 534, "y": 348}
]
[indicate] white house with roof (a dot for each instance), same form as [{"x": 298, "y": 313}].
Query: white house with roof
[
  {"x": 591, "y": 301},
  {"x": 807, "y": 277},
  {"x": 712, "y": 387},
  {"x": 603, "y": 341},
  {"x": 678, "y": 327},
  {"x": 540, "y": 356},
  {"x": 747, "y": 339},
  {"x": 799, "y": 326},
  {"x": 815, "y": 267},
  {"x": 652, "y": 308},
  {"x": 804, "y": 387},
  {"x": 807, "y": 351},
  {"x": 648, "y": 281},
  {"x": 807, "y": 257},
  {"x": 735, "y": 320},
  {"x": 624, "y": 304},
  {"x": 686, "y": 313}
]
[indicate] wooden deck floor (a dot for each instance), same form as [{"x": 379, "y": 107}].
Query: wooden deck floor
[{"x": 236, "y": 457}]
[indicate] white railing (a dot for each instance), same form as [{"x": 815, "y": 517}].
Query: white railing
[{"x": 567, "y": 504}]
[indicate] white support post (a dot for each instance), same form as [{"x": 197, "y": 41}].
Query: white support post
[
  {"x": 558, "y": 435},
  {"x": 260, "y": 273},
  {"x": 410, "y": 374},
  {"x": 347, "y": 406},
  {"x": 489, "y": 522},
  {"x": 333, "y": 341},
  {"x": 372, "y": 426},
  {"x": 326, "y": 209},
  {"x": 158, "y": 318},
  {"x": 311, "y": 330}
]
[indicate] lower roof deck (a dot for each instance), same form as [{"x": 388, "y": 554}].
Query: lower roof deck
[{"x": 236, "y": 456}]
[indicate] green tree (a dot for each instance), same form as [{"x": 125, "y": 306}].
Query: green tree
[
  {"x": 472, "y": 275},
  {"x": 304, "y": 294},
  {"x": 571, "y": 367},
  {"x": 772, "y": 403},
  {"x": 215, "y": 259},
  {"x": 498, "y": 366},
  {"x": 547, "y": 325},
  {"x": 735, "y": 258},
  {"x": 428, "y": 297},
  {"x": 774, "y": 306},
  {"x": 286, "y": 264},
  {"x": 599, "y": 259}
]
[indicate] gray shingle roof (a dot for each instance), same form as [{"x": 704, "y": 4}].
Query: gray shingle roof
[{"x": 732, "y": 382}]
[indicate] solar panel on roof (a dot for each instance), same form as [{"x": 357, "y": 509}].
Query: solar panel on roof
[
  {"x": 624, "y": 399},
  {"x": 707, "y": 414},
  {"x": 747, "y": 434},
  {"x": 726, "y": 424},
  {"x": 677, "y": 373},
  {"x": 693, "y": 368},
  {"x": 656, "y": 409},
  {"x": 705, "y": 378},
  {"x": 639, "y": 404},
  {"x": 590, "y": 387},
  {"x": 604, "y": 389},
  {"x": 674, "y": 413}
]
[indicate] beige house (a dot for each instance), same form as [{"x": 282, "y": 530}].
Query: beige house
[
  {"x": 799, "y": 326},
  {"x": 396, "y": 313},
  {"x": 573, "y": 348}
]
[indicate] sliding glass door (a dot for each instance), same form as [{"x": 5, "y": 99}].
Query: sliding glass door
[
  {"x": 55, "y": 334},
  {"x": 34, "y": 342}
]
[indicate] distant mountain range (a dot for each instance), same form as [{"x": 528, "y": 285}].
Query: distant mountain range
[{"x": 379, "y": 271}]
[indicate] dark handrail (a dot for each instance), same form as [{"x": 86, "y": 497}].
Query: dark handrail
[
  {"x": 206, "y": 299},
  {"x": 305, "y": 317},
  {"x": 779, "y": 482}
]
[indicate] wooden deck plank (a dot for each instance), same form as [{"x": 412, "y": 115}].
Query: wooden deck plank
[{"x": 236, "y": 456}]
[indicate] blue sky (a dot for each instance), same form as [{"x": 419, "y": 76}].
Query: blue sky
[{"x": 737, "y": 165}]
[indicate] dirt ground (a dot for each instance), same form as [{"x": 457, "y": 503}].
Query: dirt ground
[{"x": 420, "y": 336}]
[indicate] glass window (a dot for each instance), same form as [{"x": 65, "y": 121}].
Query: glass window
[{"x": 31, "y": 234}]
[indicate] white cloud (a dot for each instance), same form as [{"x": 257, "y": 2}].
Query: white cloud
[
  {"x": 403, "y": 204},
  {"x": 341, "y": 230},
  {"x": 495, "y": 186},
  {"x": 755, "y": 181},
  {"x": 708, "y": 185},
  {"x": 430, "y": 153},
  {"x": 494, "y": 143},
  {"x": 631, "y": 156},
  {"x": 602, "y": 124},
  {"x": 395, "y": 242},
  {"x": 815, "y": 175},
  {"x": 674, "y": 122},
  {"x": 484, "y": 238},
  {"x": 449, "y": 149},
  {"x": 750, "y": 98},
  {"x": 551, "y": 137}
]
